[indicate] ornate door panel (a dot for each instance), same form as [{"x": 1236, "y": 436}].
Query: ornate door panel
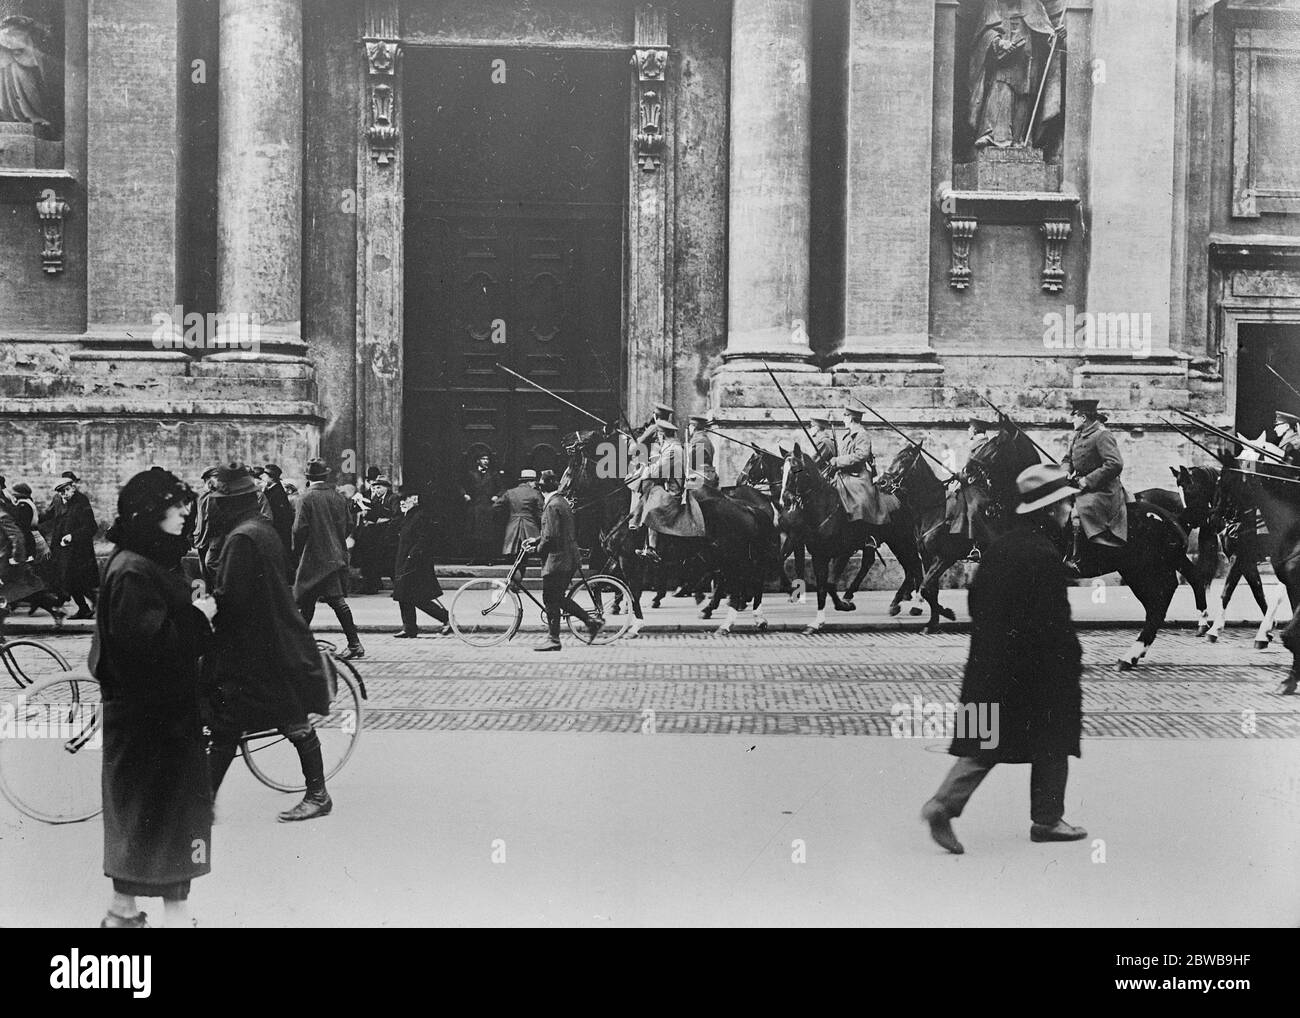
[{"x": 515, "y": 207}]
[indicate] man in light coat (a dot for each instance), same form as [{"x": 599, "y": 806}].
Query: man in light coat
[{"x": 1095, "y": 464}]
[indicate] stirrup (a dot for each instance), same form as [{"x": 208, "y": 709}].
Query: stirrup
[{"x": 974, "y": 554}]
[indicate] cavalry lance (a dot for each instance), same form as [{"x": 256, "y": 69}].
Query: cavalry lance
[
  {"x": 571, "y": 406},
  {"x": 1189, "y": 438},
  {"x": 1283, "y": 380},
  {"x": 1234, "y": 439},
  {"x": 811, "y": 443},
  {"x": 906, "y": 438}
]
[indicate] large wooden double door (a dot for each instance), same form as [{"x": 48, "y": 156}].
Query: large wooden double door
[{"x": 514, "y": 239}]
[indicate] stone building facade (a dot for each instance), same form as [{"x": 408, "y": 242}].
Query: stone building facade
[{"x": 274, "y": 229}]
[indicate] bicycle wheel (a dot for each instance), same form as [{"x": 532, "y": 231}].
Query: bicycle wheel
[
  {"x": 272, "y": 757},
  {"x": 28, "y": 662},
  {"x": 486, "y": 612},
  {"x": 51, "y": 749},
  {"x": 598, "y": 596}
]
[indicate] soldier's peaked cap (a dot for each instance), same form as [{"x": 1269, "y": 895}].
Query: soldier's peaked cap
[
  {"x": 663, "y": 413},
  {"x": 853, "y": 412},
  {"x": 1086, "y": 405},
  {"x": 820, "y": 417},
  {"x": 1289, "y": 418}
]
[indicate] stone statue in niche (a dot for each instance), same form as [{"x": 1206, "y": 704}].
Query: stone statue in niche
[
  {"x": 31, "y": 77},
  {"x": 1016, "y": 91}
]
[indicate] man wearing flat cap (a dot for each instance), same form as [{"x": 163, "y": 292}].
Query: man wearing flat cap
[
  {"x": 1095, "y": 464},
  {"x": 1021, "y": 701}
]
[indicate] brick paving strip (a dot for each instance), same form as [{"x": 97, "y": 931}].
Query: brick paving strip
[{"x": 837, "y": 684}]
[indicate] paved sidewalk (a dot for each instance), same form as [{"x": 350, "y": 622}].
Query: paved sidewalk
[
  {"x": 1098, "y": 606},
  {"x": 627, "y": 830}
]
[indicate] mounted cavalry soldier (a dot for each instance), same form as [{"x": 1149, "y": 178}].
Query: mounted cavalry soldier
[
  {"x": 1287, "y": 428},
  {"x": 669, "y": 507},
  {"x": 700, "y": 451},
  {"x": 645, "y": 451},
  {"x": 970, "y": 499},
  {"x": 853, "y": 474},
  {"x": 823, "y": 438},
  {"x": 1094, "y": 464}
]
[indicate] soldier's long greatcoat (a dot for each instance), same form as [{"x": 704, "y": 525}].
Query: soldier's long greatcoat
[
  {"x": 666, "y": 511},
  {"x": 861, "y": 499},
  {"x": 700, "y": 452},
  {"x": 1102, "y": 504},
  {"x": 826, "y": 446}
]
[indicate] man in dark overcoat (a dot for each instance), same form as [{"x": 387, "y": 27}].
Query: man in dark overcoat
[
  {"x": 264, "y": 671},
  {"x": 377, "y": 534},
  {"x": 415, "y": 574},
  {"x": 479, "y": 489},
  {"x": 558, "y": 544},
  {"x": 282, "y": 513},
  {"x": 1023, "y": 670},
  {"x": 72, "y": 544},
  {"x": 523, "y": 505},
  {"x": 1094, "y": 464},
  {"x": 322, "y": 532}
]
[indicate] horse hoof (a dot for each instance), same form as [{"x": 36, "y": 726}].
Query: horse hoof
[
  {"x": 948, "y": 614},
  {"x": 704, "y": 613},
  {"x": 1125, "y": 665},
  {"x": 848, "y": 597},
  {"x": 762, "y": 626},
  {"x": 1261, "y": 644},
  {"x": 1212, "y": 637},
  {"x": 847, "y": 606},
  {"x": 812, "y": 630},
  {"x": 894, "y": 609},
  {"x": 654, "y": 604},
  {"x": 723, "y": 631},
  {"x": 632, "y": 634},
  {"x": 915, "y": 611}
]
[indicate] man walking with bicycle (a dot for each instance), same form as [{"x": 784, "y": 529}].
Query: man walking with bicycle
[{"x": 558, "y": 544}]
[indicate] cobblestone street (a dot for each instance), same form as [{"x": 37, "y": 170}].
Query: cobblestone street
[{"x": 786, "y": 683}]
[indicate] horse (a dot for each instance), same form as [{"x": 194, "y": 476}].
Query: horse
[
  {"x": 1236, "y": 525},
  {"x": 813, "y": 511},
  {"x": 763, "y": 473},
  {"x": 1191, "y": 506}
]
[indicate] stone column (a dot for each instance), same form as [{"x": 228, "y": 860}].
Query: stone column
[
  {"x": 131, "y": 168},
  {"x": 887, "y": 230},
  {"x": 769, "y": 202},
  {"x": 259, "y": 166},
  {"x": 1132, "y": 212}
]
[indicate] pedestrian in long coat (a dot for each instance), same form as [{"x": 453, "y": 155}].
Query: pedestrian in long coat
[
  {"x": 479, "y": 489},
  {"x": 72, "y": 543},
  {"x": 415, "y": 574},
  {"x": 1022, "y": 675},
  {"x": 561, "y": 557},
  {"x": 264, "y": 671},
  {"x": 148, "y": 639},
  {"x": 322, "y": 531},
  {"x": 523, "y": 504},
  {"x": 282, "y": 513},
  {"x": 1095, "y": 463},
  {"x": 18, "y": 580}
]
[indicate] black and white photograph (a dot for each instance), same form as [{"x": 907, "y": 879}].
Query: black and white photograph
[{"x": 605, "y": 464}]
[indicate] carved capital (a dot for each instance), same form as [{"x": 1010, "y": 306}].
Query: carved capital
[
  {"x": 52, "y": 211},
  {"x": 1056, "y": 233},
  {"x": 383, "y": 50},
  {"x": 382, "y": 132},
  {"x": 381, "y": 55},
  {"x": 962, "y": 232}
]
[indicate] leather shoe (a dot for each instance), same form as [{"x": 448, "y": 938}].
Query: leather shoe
[
  {"x": 403, "y": 634},
  {"x": 941, "y": 828},
  {"x": 1287, "y": 687},
  {"x": 113, "y": 921},
  {"x": 552, "y": 643},
  {"x": 1060, "y": 831},
  {"x": 312, "y": 806},
  {"x": 352, "y": 653},
  {"x": 82, "y": 614}
]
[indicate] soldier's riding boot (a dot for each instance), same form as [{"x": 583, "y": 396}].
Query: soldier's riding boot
[
  {"x": 650, "y": 551},
  {"x": 317, "y": 801},
  {"x": 1073, "y": 564}
]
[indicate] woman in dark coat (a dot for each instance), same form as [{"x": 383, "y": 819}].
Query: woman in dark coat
[
  {"x": 147, "y": 642},
  {"x": 415, "y": 577},
  {"x": 264, "y": 671},
  {"x": 1024, "y": 667},
  {"x": 72, "y": 543},
  {"x": 479, "y": 490}
]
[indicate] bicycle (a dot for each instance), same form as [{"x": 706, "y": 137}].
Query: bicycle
[
  {"x": 51, "y": 741},
  {"x": 487, "y": 611}
]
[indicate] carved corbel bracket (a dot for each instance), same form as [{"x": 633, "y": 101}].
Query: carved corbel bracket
[
  {"x": 652, "y": 71},
  {"x": 52, "y": 211},
  {"x": 962, "y": 232},
  {"x": 1055, "y": 235},
  {"x": 381, "y": 60}
]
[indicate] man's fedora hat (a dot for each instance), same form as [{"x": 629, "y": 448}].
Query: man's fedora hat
[
  {"x": 318, "y": 471},
  {"x": 273, "y": 471},
  {"x": 409, "y": 491},
  {"x": 384, "y": 481},
  {"x": 22, "y": 489},
  {"x": 234, "y": 479},
  {"x": 1042, "y": 485}
]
